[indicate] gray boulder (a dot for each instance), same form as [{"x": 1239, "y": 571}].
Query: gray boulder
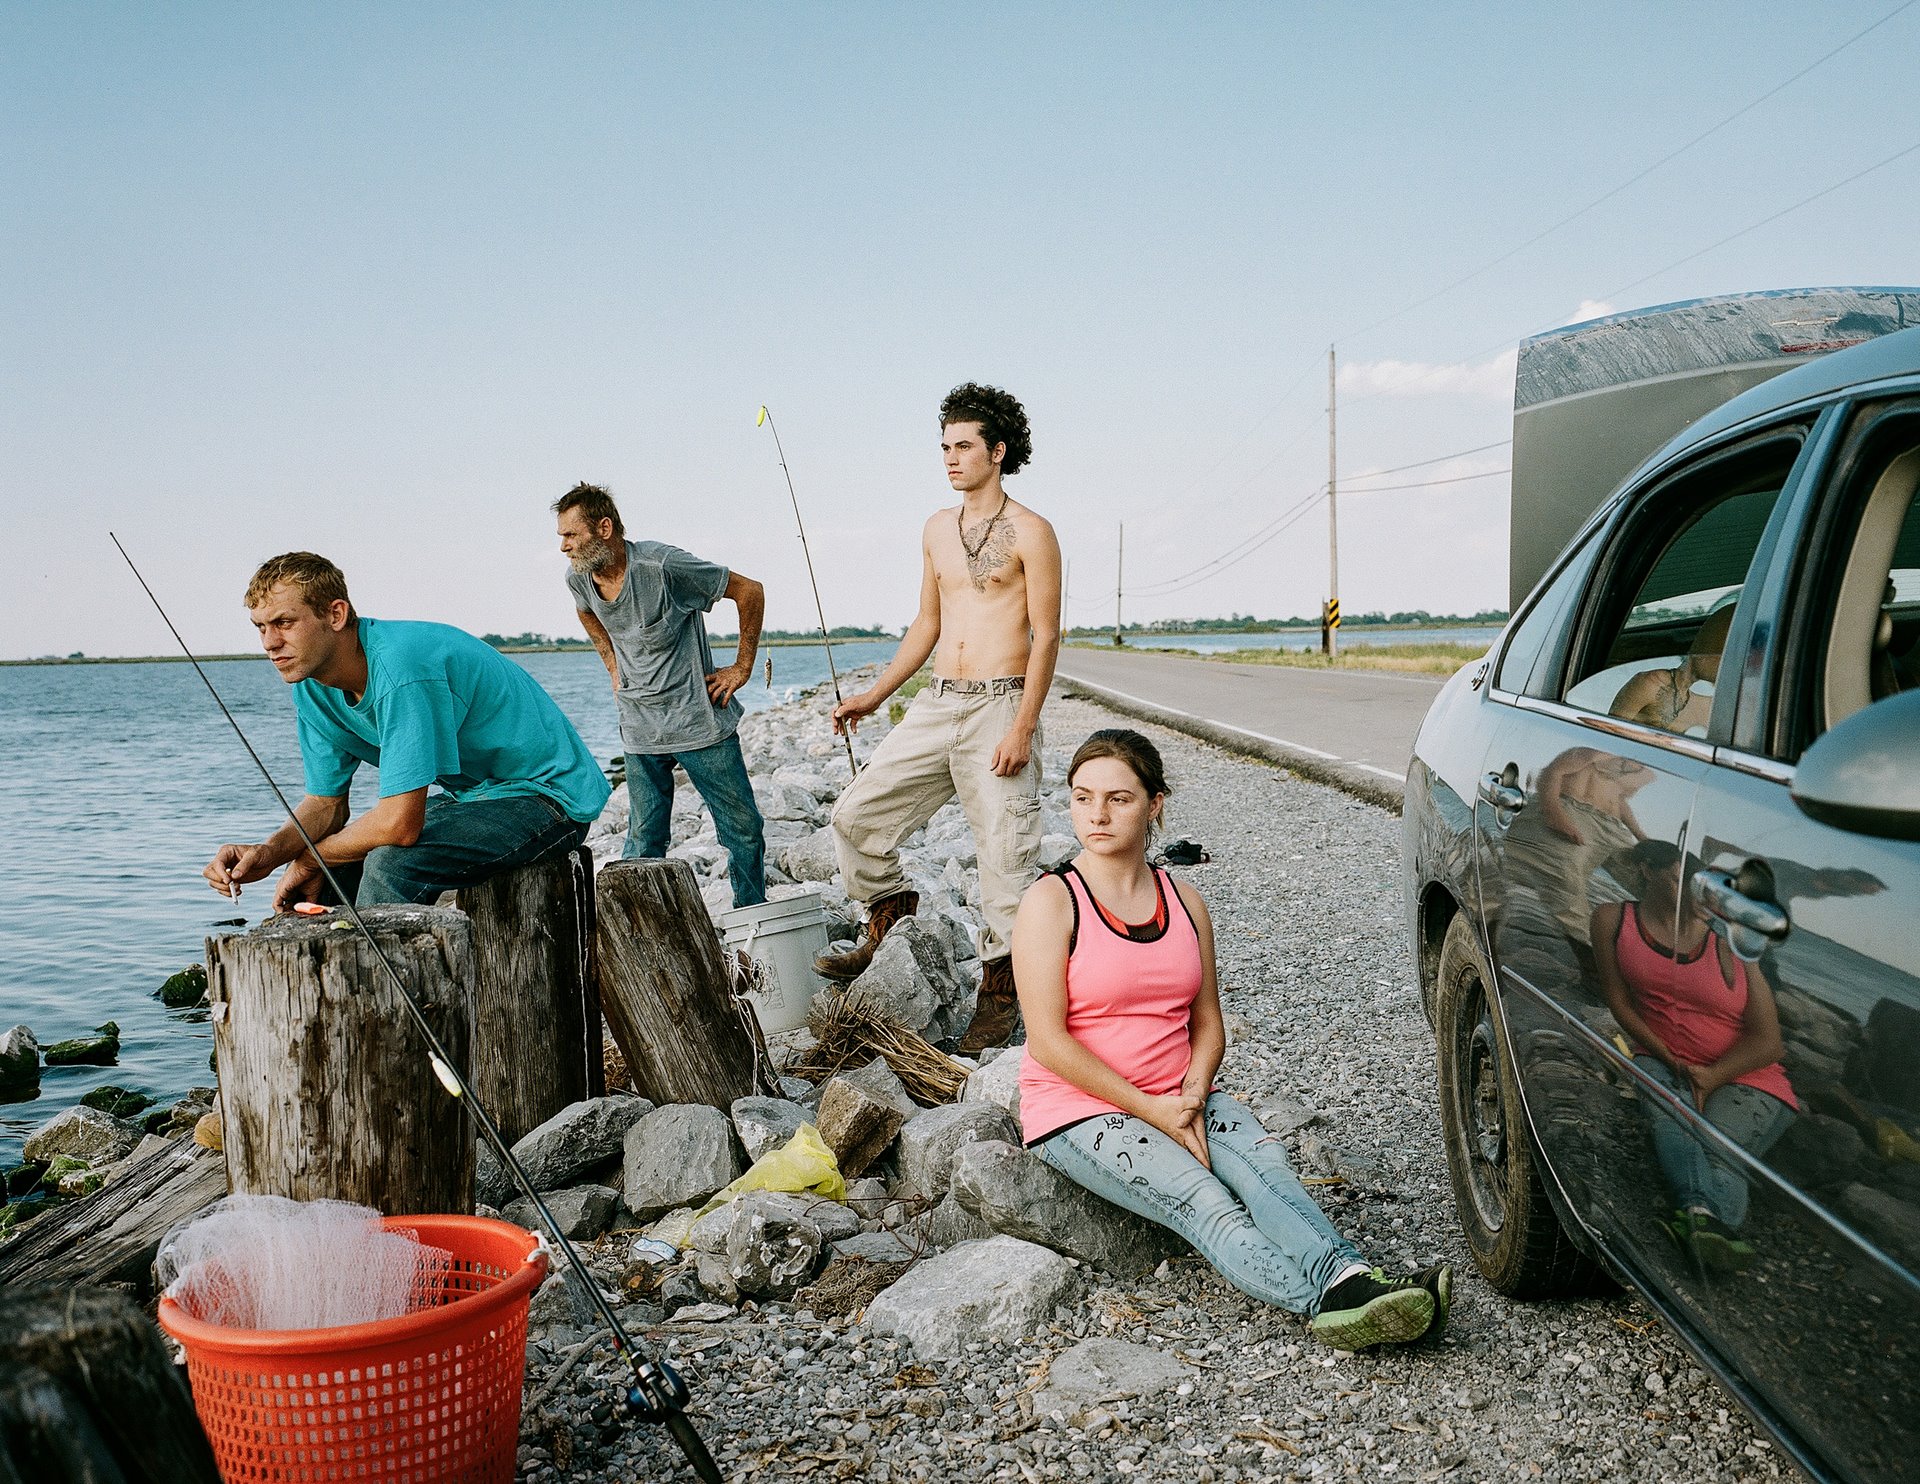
[
  {"x": 948, "y": 1225},
  {"x": 83, "y": 1133},
  {"x": 772, "y": 1248},
  {"x": 880, "y": 1079},
  {"x": 1106, "y": 1370},
  {"x": 1057, "y": 850},
  {"x": 492, "y": 1185},
  {"x": 765, "y": 1124},
  {"x": 878, "y": 1247},
  {"x": 715, "y": 1278},
  {"x": 1018, "y": 1193},
  {"x": 928, "y": 1144},
  {"x": 581, "y": 1135},
  {"x": 914, "y": 981},
  {"x": 998, "y": 1082},
  {"x": 1002, "y": 1289},
  {"x": 19, "y": 1060},
  {"x": 582, "y": 1212},
  {"x": 811, "y": 858},
  {"x": 709, "y": 1233},
  {"x": 678, "y": 1156},
  {"x": 856, "y": 1124}
]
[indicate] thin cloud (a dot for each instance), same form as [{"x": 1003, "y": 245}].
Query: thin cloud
[{"x": 1492, "y": 379}]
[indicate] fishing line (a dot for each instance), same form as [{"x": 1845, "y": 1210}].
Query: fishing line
[
  {"x": 766, "y": 417},
  {"x": 657, "y": 1394}
]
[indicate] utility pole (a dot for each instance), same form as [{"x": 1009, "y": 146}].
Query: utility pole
[
  {"x": 1119, "y": 573},
  {"x": 1330, "y": 614}
]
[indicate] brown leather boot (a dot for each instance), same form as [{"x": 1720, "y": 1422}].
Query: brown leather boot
[
  {"x": 882, "y": 914},
  {"x": 995, "y": 1011}
]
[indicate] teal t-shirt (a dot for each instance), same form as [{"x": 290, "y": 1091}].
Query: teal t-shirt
[{"x": 442, "y": 707}]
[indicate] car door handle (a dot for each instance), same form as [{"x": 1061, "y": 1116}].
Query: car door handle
[
  {"x": 1496, "y": 791},
  {"x": 1720, "y": 896}
]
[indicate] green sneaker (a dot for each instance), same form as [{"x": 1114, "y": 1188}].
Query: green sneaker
[
  {"x": 1438, "y": 1281},
  {"x": 1720, "y": 1248},
  {"x": 1373, "y": 1309}
]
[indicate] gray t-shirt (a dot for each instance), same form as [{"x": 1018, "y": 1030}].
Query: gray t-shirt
[{"x": 660, "y": 644}]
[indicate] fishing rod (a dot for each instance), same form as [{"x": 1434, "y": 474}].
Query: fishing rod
[
  {"x": 846, "y": 736},
  {"x": 657, "y": 1394}
]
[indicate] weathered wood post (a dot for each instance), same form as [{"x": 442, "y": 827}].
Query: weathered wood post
[
  {"x": 87, "y": 1391},
  {"x": 326, "y": 1090},
  {"x": 663, "y": 987},
  {"x": 536, "y": 1007}
]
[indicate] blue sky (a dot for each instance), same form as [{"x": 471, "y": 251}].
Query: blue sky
[{"x": 383, "y": 281}]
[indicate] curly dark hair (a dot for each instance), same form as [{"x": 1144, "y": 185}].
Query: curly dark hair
[{"x": 1001, "y": 417}]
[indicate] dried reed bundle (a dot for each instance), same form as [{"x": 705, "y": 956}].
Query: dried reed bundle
[{"x": 850, "y": 1033}]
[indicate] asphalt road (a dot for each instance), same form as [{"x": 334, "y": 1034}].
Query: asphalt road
[{"x": 1353, "y": 727}]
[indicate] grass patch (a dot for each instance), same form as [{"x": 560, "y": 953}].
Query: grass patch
[
  {"x": 914, "y": 684},
  {"x": 1415, "y": 659}
]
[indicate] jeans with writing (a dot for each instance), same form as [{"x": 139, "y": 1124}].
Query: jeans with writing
[
  {"x": 461, "y": 844},
  {"x": 1700, "y": 1181},
  {"x": 1249, "y": 1217},
  {"x": 719, "y": 773}
]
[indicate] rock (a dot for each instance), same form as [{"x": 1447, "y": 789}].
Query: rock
[
  {"x": 929, "y": 1143},
  {"x": 716, "y": 1277},
  {"x": 1057, "y": 850},
  {"x": 100, "y": 1049},
  {"x": 998, "y": 1082},
  {"x": 19, "y": 1060},
  {"x": 1890, "y": 1221},
  {"x": 121, "y": 1102},
  {"x": 856, "y": 1124},
  {"x": 709, "y": 1233},
  {"x": 1106, "y": 1370},
  {"x": 83, "y": 1133},
  {"x": 72, "y": 1177},
  {"x": 492, "y": 1185},
  {"x": 188, "y": 987},
  {"x": 772, "y": 1248},
  {"x": 782, "y": 801},
  {"x": 677, "y": 1156},
  {"x": 879, "y": 1079},
  {"x": 949, "y": 1224},
  {"x": 1000, "y": 1290},
  {"x": 878, "y": 1247},
  {"x": 799, "y": 1090},
  {"x": 183, "y": 1115},
  {"x": 1281, "y": 1116},
  {"x": 1020, "y": 1194},
  {"x": 867, "y": 1197},
  {"x": 207, "y": 1132},
  {"x": 580, "y": 1136},
  {"x": 583, "y": 1212},
  {"x": 913, "y": 980},
  {"x": 811, "y": 858},
  {"x": 808, "y": 780},
  {"x": 764, "y": 1124},
  {"x": 1818, "y": 1153},
  {"x": 834, "y": 1220},
  {"x": 700, "y": 1314}
]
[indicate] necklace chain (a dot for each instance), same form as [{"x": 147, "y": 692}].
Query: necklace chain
[{"x": 959, "y": 521}]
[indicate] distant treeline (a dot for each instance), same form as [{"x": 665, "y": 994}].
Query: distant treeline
[
  {"x": 1246, "y": 623},
  {"x": 520, "y": 643}
]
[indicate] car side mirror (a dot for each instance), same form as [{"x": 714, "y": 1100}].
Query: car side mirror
[{"x": 1864, "y": 775}]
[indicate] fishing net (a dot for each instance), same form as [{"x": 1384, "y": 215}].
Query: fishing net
[{"x": 263, "y": 1262}]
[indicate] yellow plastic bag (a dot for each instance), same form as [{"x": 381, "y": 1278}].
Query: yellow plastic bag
[{"x": 803, "y": 1166}]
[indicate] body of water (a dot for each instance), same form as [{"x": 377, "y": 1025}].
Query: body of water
[
  {"x": 1475, "y": 634},
  {"x": 117, "y": 784}
]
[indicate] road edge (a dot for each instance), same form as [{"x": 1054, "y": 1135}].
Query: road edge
[{"x": 1381, "y": 792}]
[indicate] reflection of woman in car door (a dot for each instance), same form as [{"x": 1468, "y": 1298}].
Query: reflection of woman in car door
[{"x": 1703, "y": 1024}]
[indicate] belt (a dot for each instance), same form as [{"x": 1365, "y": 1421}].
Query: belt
[{"x": 1006, "y": 685}]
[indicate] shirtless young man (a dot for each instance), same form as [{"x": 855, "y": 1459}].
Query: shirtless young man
[{"x": 990, "y": 601}]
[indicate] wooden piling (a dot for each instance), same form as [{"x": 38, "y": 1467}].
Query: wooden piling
[
  {"x": 536, "y": 1006},
  {"x": 664, "y": 987},
  {"x": 326, "y": 1089}
]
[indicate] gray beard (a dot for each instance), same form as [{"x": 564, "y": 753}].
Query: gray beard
[{"x": 594, "y": 558}]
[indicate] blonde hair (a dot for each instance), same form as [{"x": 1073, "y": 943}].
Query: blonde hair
[{"x": 319, "y": 583}]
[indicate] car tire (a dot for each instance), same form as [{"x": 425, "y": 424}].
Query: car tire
[{"x": 1508, "y": 1220}]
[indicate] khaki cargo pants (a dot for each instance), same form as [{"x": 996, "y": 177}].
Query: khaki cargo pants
[{"x": 942, "y": 749}]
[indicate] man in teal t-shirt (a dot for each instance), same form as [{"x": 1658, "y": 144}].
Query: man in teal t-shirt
[{"x": 426, "y": 704}]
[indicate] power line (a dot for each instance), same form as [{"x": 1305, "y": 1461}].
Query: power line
[
  {"x": 1423, "y": 463},
  {"x": 1229, "y": 552},
  {"x": 1380, "y": 489},
  {"x": 1632, "y": 180},
  {"x": 1273, "y": 533}
]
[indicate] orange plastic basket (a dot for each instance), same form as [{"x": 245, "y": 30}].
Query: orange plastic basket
[{"x": 430, "y": 1398}]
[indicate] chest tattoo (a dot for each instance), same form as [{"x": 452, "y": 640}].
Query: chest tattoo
[{"x": 988, "y": 548}]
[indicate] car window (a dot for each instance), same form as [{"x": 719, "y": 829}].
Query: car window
[
  {"x": 1873, "y": 638},
  {"x": 1661, "y": 614},
  {"x": 1538, "y": 625}
]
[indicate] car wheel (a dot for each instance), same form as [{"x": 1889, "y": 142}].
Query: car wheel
[{"x": 1511, "y": 1229}]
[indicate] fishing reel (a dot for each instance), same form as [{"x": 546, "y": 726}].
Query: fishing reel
[{"x": 658, "y": 1392}]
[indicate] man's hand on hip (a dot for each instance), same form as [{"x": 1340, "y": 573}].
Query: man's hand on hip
[
  {"x": 1013, "y": 752},
  {"x": 722, "y": 683}
]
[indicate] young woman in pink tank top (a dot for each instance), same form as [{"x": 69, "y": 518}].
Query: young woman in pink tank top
[
  {"x": 1703, "y": 1025},
  {"x": 1113, "y": 961}
]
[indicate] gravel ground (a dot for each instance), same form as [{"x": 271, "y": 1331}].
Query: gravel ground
[{"x": 1320, "y": 997}]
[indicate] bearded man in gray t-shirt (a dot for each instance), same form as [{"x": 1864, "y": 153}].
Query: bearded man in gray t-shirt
[{"x": 642, "y": 603}]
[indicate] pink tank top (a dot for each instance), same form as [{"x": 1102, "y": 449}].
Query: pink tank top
[
  {"x": 1128, "y": 1002},
  {"x": 1688, "y": 1003}
]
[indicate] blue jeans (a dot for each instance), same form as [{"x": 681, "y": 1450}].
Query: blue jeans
[
  {"x": 1749, "y": 1117},
  {"x": 719, "y": 772},
  {"x": 462, "y": 844},
  {"x": 1249, "y": 1217}
]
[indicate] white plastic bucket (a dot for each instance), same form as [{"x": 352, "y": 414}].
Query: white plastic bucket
[{"x": 785, "y": 937}]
